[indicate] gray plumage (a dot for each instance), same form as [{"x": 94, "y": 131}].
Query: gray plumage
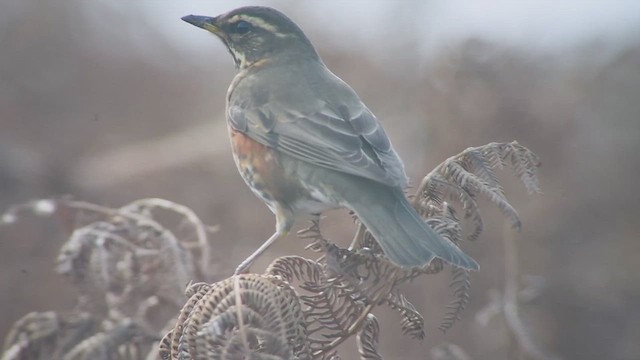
[
  {"x": 331, "y": 150},
  {"x": 317, "y": 119}
]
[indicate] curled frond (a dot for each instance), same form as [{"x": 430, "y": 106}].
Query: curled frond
[
  {"x": 170, "y": 342},
  {"x": 196, "y": 234},
  {"x": 297, "y": 268},
  {"x": 102, "y": 237},
  {"x": 130, "y": 253},
  {"x": 45, "y": 335},
  {"x": 251, "y": 316},
  {"x": 471, "y": 173}
]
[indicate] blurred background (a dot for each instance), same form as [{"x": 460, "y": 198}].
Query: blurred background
[{"x": 112, "y": 101}]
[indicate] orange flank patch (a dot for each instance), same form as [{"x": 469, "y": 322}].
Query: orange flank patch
[{"x": 259, "y": 166}]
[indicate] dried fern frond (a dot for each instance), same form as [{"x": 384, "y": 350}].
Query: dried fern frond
[
  {"x": 329, "y": 310},
  {"x": 368, "y": 338},
  {"x": 461, "y": 285},
  {"x": 412, "y": 321},
  {"x": 138, "y": 228},
  {"x": 130, "y": 265},
  {"x": 45, "y": 335},
  {"x": 32, "y": 328},
  {"x": 470, "y": 174},
  {"x": 195, "y": 235},
  {"x": 119, "y": 342},
  {"x": 317, "y": 242},
  {"x": 170, "y": 342},
  {"x": 129, "y": 252},
  {"x": 446, "y": 223},
  {"x": 298, "y": 309},
  {"x": 246, "y": 316},
  {"x": 461, "y": 179}
]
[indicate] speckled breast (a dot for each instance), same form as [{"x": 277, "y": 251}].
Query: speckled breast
[{"x": 273, "y": 180}]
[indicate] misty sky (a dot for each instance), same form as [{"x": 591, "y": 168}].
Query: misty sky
[{"x": 544, "y": 24}]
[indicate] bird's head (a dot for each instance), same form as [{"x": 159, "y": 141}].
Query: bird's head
[{"x": 256, "y": 33}]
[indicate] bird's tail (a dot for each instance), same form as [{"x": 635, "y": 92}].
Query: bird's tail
[{"x": 402, "y": 234}]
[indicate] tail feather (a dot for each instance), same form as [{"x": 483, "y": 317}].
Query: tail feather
[{"x": 402, "y": 234}]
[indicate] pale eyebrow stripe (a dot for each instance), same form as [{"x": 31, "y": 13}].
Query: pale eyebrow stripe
[{"x": 255, "y": 21}]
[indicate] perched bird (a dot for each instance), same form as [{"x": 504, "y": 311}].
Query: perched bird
[{"x": 304, "y": 142}]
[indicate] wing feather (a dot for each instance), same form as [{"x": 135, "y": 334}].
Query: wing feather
[{"x": 332, "y": 129}]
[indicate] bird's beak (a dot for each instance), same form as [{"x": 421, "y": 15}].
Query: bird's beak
[{"x": 205, "y": 22}]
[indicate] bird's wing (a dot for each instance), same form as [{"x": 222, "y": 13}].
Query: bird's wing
[{"x": 340, "y": 139}]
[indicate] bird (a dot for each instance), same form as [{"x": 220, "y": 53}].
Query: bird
[{"x": 304, "y": 142}]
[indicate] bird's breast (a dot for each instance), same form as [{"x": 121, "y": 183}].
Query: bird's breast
[{"x": 276, "y": 178}]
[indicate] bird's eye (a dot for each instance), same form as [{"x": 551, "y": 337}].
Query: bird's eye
[{"x": 242, "y": 27}]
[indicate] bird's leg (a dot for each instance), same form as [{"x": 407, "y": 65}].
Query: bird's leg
[
  {"x": 284, "y": 222},
  {"x": 244, "y": 265}
]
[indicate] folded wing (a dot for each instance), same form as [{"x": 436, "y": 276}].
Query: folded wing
[{"x": 335, "y": 138}]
